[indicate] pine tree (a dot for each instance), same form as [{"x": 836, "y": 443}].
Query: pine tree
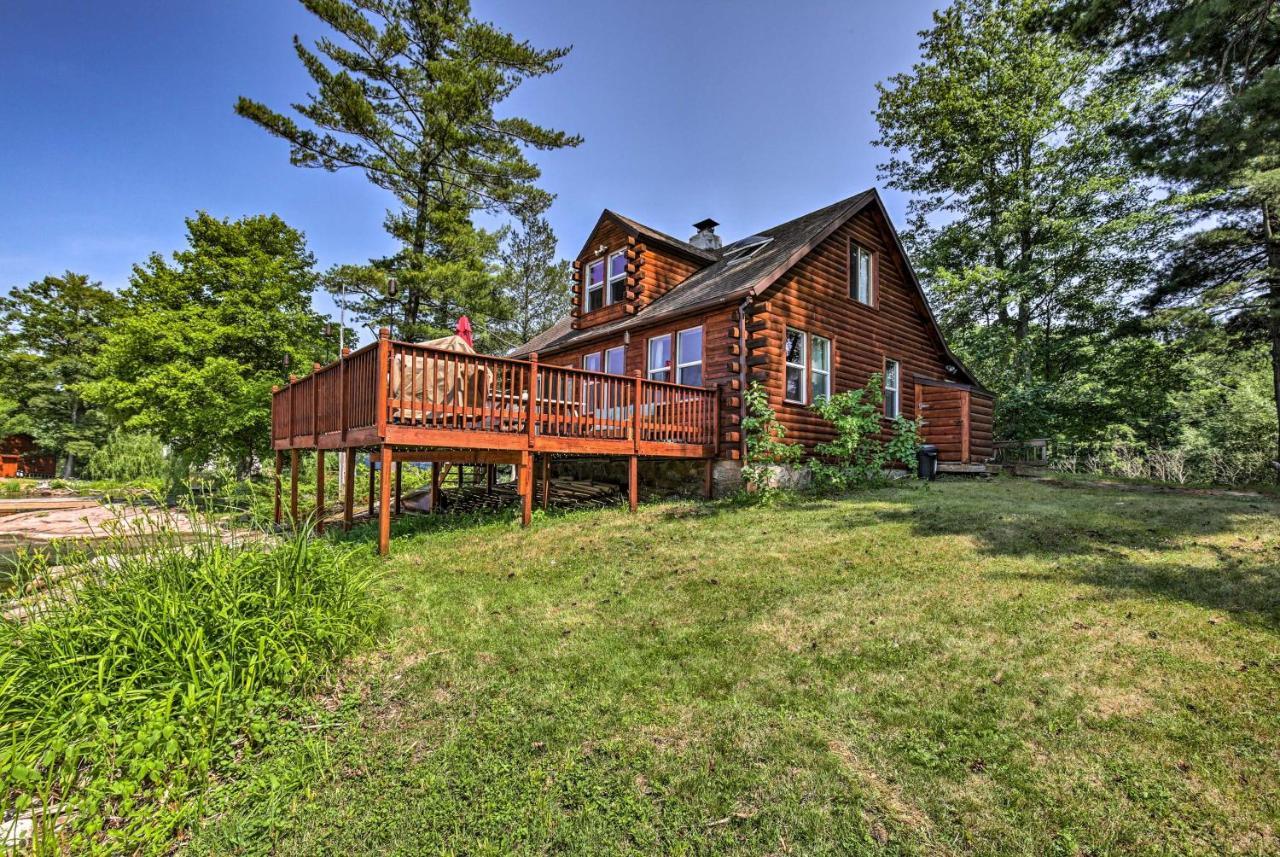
[
  {"x": 534, "y": 284},
  {"x": 1027, "y": 224},
  {"x": 1210, "y": 122},
  {"x": 50, "y": 333},
  {"x": 407, "y": 95}
]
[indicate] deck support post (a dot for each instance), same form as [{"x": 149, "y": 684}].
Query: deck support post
[
  {"x": 633, "y": 482},
  {"x": 277, "y": 512},
  {"x": 372, "y": 472},
  {"x": 293, "y": 488},
  {"x": 546, "y": 480},
  {"x": 384, "y": 508},
  {"x": 399, "y": 493},
  {"x": 708, "y": 487},
  {"x": 435, "y": 487},
  {"x": 491, "y": 478},
  {"x": 319, "y": 491},
  {"x": 524, "y": 480},
  {"x": 348, "y": 486}
]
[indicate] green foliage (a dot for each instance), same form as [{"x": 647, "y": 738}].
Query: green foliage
[
  {"x": 857, "y": 456},
  {"x": 130, "y": 681},
  {"x": 534, "y": 283},
  {"x": 409, "y": 94},
  {"x": 128, "y": 457},
  {"x": 203, "y": 340},
  {"x": 766, "y": 444},
  {"x": 50, "y": 332}
]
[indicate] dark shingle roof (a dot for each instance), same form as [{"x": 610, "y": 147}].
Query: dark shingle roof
[{"x": 727, "y": 278}]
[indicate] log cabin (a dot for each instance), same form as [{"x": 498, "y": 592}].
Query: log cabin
[
  {"x": 651, "y": 363},
  {"x": 814, "y": 306},
  {"x": 19, "y": 456}
]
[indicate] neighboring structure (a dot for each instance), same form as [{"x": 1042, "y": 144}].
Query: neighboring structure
[
  {"x": 20, "y": 457},
  {"x": 809, "y": 308}
]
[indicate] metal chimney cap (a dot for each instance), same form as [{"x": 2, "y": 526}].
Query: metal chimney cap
[{"x": 705, "y": 225}]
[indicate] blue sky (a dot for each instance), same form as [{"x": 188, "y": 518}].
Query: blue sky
[{"x": 119, "y": 120}]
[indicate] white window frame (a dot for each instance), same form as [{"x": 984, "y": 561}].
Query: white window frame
[
  {"x": 803, "y": 366},
  {"x": 650, "y": 369},
  {"x": 587, "y": 288},
  {"x": 610, "y": 279},
  {"x": 621, "y": 349},
  {"x": 856, "y": 285},
  {"x": 678, "y": 358},
  {"x": 599, "y": 355},
  {"x": 896, "y": 388},
  {"x": 814, "y": 371}
]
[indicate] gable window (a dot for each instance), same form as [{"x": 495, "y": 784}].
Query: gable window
[
  {"x": 796, "y": 364},
  {"x": 660, "y": 358},
  {"x": 594, "y": 297},
  {"x": 689, "y": 357},
  {"x": 892, "y": 386},
  {"x": 591, "y": 362},
  {"x": 860, "y": 271},
  {"x": 615, "y": 361},
  {"x": 617, "y": 277},
  {"x": 819, "y": 368}
]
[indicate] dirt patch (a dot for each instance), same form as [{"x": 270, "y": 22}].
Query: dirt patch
[{"x": 888, "y": 796}]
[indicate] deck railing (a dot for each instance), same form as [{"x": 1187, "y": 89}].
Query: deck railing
[{"x": 392, "y": 388}]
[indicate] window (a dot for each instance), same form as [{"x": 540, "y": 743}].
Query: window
[
  {"x": 594, "y": 298},
  {"x": 615, "y": 361},
  {"x": 891, "y": 389},
  {"x": 660, "y": 358},
  {"x": 689, "y": 357},
  {"x": 860, "y": 268},
  {"x": 591, "y": 362},
  {"x": 795, "y": 366},
  {"x": 819, "y": 368},
  {"x": 617, "y": 277}
]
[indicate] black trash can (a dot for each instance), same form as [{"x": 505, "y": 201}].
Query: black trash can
[{"x": 927, "y": 462}]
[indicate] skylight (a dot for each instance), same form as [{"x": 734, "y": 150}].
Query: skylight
[{"x": 744, "y": 249}]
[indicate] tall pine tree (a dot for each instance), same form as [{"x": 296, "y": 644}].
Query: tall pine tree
[
  {"x": 534, "y": 284},
  {"x": 408, "y": 95}
]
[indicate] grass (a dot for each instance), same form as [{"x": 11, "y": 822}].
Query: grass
[
  {"x": 132, "y": 680},
  {"x": 968, "y": 667}
]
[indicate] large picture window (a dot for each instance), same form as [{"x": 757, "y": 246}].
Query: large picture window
[
  {"x": 594, "y": 297},
  {"x": 689, "y": 357},
  {"x": 796, "y": 355},
  {"x": 892, "y": 389},
  {"x": 819, "y": 368},
  {"x": 617, "y": 277},
  {"x": 861, "y": 267},
  {"x": 660, "y": 358}
]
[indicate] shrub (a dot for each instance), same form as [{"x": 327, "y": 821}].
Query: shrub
[
  {"x": 764, "y": 437},
  {"x": 132, "y": 679},
  {"x": 856, "y": 455},
  {"x": 129, "y": 457}
]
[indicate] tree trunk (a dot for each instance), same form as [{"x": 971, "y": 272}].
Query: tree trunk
[
  {"x": 69, "y": 463},
  {"x": 1271, "y": 229}
]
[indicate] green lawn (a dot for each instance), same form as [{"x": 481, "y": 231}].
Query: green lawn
[{"x": 968, "y": 667}]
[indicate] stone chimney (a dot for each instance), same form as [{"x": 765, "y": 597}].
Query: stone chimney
[{"x": 706, "y": 239}]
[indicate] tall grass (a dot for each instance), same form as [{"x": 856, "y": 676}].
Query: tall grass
[{"x": 135, "y": 674}]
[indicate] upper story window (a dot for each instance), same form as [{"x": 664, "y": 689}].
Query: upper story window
[
  {"x": 797, "y": 363},
  {"x": 861, "y": 269},
  {"x": 615, "y": 361},
  {"x": 892, "y": 389},
  {"x": 617, "y": 277},
  {"x": 594, "y": 297},
  {"x": 689, "y": 357},
  {"x": 819, "y": 368}
]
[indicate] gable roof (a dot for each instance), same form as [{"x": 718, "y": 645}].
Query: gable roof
[
  {"x": 639, "y": 230},
  {"x": 730, "y": 277}
]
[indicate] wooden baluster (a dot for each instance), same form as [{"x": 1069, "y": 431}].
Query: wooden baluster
[
  {"x": 315, "y": 404},
  {"x": 531, "y": 418}
]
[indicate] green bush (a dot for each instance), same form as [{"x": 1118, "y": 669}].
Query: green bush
[
  {"x": 131, "y": 680},
  {"x": 857, "y": 456},
  {"x": 766, "y": 446},
  {"x": 129, "y": 458}
]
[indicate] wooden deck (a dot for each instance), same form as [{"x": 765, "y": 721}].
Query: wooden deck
[{"x": 411, "y": 402}]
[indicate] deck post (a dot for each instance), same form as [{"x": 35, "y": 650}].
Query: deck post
[
  {"x": 546, "y": 480},
  {"x": 524, "y": 479},
  {"x": 382, "y": 378},
  {"x": 315, "y": 404},
  {"x": 277, "y": 512},
  {"x": 371, "y": 485},
  {"x": 293, "y": 381},
  {"x": 399, "y": 482},
  {"x": 531, "y": 406},
  {"x": 490, "y": 478},
  {"x": 319, "y": 490},
  {"x": 708, "y": 487},
  {"x": 293, "y": 488},
  {"x": 633, "y": 482},
  {"x": 435, "y": 487},
  {"x": 384, "y": 508},
  {"x": 344, "y": 384},
  {"x": 348, "y": 486}
]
